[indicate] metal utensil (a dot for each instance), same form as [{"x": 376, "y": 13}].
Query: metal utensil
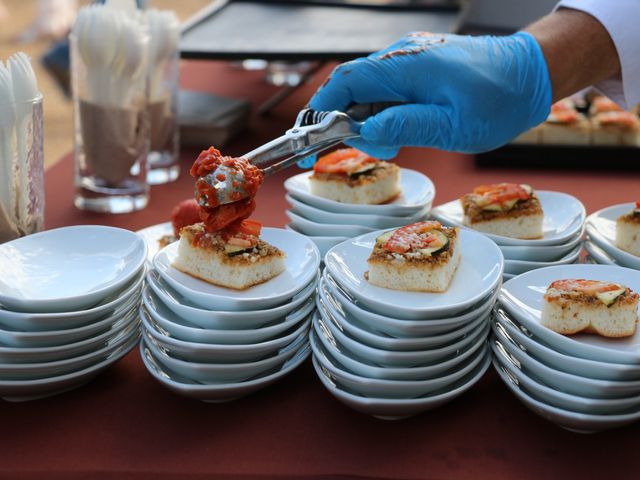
[{"x": 313, "y": 132}]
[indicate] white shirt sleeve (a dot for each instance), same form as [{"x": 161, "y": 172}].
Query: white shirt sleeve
[{"x": 620, "y": 18}]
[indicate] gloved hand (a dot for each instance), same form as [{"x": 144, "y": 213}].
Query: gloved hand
[{"x": 466, "y": 94}]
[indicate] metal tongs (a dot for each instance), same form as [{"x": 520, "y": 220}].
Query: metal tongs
[{"x": 313, "y": 132}]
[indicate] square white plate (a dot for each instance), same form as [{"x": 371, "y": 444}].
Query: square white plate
[
  {"x": 301, "y": 266},
  {"x": 480, "y": 270},
  {"x": 601, "y": 228},
  {"x": 564, "y": 216},
  {"x": 522, "y": 297},
  {"x": 68, "y": 268},
  {"x": 417, "y": 192}
]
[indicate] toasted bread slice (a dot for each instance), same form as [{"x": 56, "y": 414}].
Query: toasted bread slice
[
  {"x": 628, "y": 233},
  {"x": 610, "y": 313},
  {"x": 415, "y": 270},
  {"x": 380, "y": 184},
  {"x": 208, "y": 257},
  {"x": 616, "y": 129}
]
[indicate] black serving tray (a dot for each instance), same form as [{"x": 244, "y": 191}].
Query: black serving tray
[{"x": 309, "y": 29}]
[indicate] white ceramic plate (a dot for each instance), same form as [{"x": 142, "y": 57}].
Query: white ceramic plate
[
  {"x": 152, "y": 235},
  {"x": 347, "y": 305},
  {"x": 544, "y": 253},
  {"x": 324, "y": 244},
  {"x": 574, "y": 421},
  {"x": 321, "y": 340},
  {"x": 315, "y": 229},
  {"x": 302, "y": 262},
  {"x": 24, "y": 390},
  {"x": 479, "y": 272},
  {"x": 567, "y": 363},
  {"x": 556, "y": 398},
  {"x": 361, "y": 333},
  {"x": 395, "y": 409},
  {"x": 417, "y": 192},
  {"x": 183, "y": 330},
  {"x": 564, "y": 216},
  {"x": 598, "y": 254},
  {"x": 221, "y": 392},
  {"x": 374, "y": 221},
  {"x": 70, "y": 268},
  {"x": 516, "y": 267},
  {"x": 221, "y": 319},
  {"x": 601, "y": 228},
  {"x": 37, "y": 322},
  {"x": 217, "y": 353},
  {"x": 522, "y": 297}
]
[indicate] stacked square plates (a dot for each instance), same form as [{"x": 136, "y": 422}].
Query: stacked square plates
[
  {"x": 601, "y": 237},
  {"x": 581, "y": 382},
  {"x": 393, "y": 354},
  {"x": 563, "y": 228},
  {"x": 328, "y": 223},
  {"x": 68, "y": 307},
  {"x": 217, "y": 344}
]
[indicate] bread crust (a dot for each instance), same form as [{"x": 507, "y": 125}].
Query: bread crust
[
  {"x": 475, "y": 214},
  {"x": 630, "y": 218}
]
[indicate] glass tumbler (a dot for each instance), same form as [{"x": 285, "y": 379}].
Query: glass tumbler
[
  {"x": 164, "y": 78},
  {"x": 111, "y": 130},
  {"x": 21, "y": 169}
]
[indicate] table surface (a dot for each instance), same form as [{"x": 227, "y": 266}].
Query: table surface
[{"x": 126, "y": 425}]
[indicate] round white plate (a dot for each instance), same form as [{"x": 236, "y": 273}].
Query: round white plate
[
  {"x": 374, "y": 221},
  {"x": 574, "y": 421},
  {"x": 598, "y": 254},
  {"x": 479, "y": 272},
  {"x": 301, "y": 266},
  {"x": 183, "y": 330},
  {"x": 221, "y": 392},
  {"x": 347, "y": 305},
  {"x": 601, "y": 228},
  {"x": 226, "y": 320},
  {"x": 567, "y": 363},
  {"x": 516, "y": 267},
  {"x": 556, "y": 398},
  {"x": 544, "y": 253},
  {"x": 68, "y": 268},
  {"x": 33, "y": 322},
  {"x": 564, "y": 216},
  {"x": 393, "y": 408},
  {"x": 522, "y": 297},
  {"x": 310, "y": 228},
  {"x": 417, "y": 192},
  {"x": 152, "y": 235},
  {"x": 324, "y": 244}
]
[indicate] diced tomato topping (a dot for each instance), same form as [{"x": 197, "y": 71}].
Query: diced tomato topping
[
  {"x": 246, "y": 227},
  {"x": 604, "y": 104},
  {"x": 502, "y": 192},
  {"x": 569, "y": 116},
  {"x": 414, "y": 236},
  {"x": 345, "y": 160},
  {"x": 564, "y": 105},
  {"x": 638, "y": 204},
  {"x": 590, "y": 287},
  {"x": 626, "y": 119},
  {"x": 184, "y": 214}
]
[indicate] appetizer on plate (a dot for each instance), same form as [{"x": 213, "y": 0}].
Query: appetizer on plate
[
  {"x": 601, "y": 104},
  {"x": 590, "y": 306},
  {"x": 351, "y": 176},
  {"x": 225, "y": 249},
  {"x": 566, "y": 126},
  {"x": 628, "y": 231},
  {"x": 419, "y": 257},
  {"x": 616, "y": 128},
  {"x": 507, "y": 209}
]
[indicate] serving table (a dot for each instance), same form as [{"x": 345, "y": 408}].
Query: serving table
[{"x": 125, "y": 425}]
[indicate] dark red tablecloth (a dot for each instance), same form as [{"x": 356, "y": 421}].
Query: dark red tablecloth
[{"x": 125, "y": 425}]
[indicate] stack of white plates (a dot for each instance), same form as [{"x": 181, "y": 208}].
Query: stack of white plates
[
  {"x": 68, "y": 307},
  {"x": 601, "y": 237},
  {"x": 581, "y": 382},
  {"x": 217, "y": 344},
  {"x": 394, "y": 354},
  {"x": 328, "y": 223},
  {"x": 563, "y": 228}
]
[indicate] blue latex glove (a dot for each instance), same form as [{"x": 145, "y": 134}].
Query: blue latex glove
[{"x": 466, "y": 94}]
